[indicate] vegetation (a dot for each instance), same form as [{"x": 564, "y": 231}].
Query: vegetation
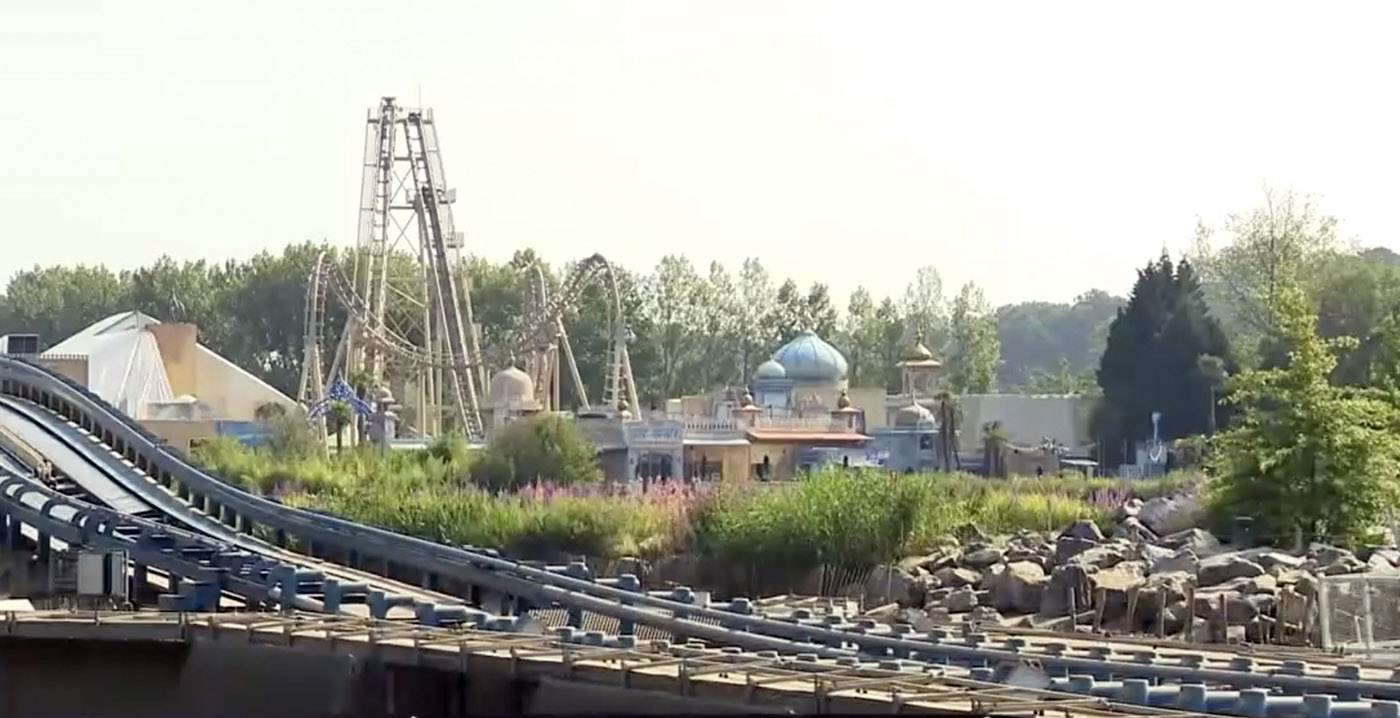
[
  {"x": 1307, "y": 459},
  {"x": 832, "y": 517},
  {"x": 1152, "y": 362},
  {"x": 539, "y": 448}
]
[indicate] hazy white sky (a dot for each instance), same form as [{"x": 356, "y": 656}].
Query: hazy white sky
[{"x": 1036, "y": 148}]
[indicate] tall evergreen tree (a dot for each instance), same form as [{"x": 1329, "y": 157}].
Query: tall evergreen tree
[{"x": 1152, "y": 360}]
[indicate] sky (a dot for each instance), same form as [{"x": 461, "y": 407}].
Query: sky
[{"x": 1038, "y": 149}]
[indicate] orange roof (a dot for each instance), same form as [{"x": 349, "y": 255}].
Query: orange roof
[{"x": 804, "y": 437}]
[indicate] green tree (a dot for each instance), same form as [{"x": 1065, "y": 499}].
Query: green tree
[
  {"x": 1062, "y": 380},
  {"x": 787, "y": 314},
  {"x": 1036, "y": 338},
  {"x": 544, "y": 448},
  {"x": 1150, "y": 361},
  {"x": 973, "y": 352},
  {"x": 1271, "y": 248},
  {"x": 923, "y": 309},
  {"x": 818, "y": 313},
  {"x": 757, "y": 297},
  {"x": 860, "y": 340},
  {"x": 1306, "y": 458},
  {"x": 339, "y": 417},
  {"x": 675, "y": 304}
]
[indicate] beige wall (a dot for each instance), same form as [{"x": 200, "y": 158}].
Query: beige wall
[
  {"x": 871, "y": 400},
  {"x": 179, "y": 434},
  {"x": 177, "y": 344},
  {"x": 229, "y": 392},
  {"x": 73, "y": 367},
  {"x": 732, "y": 461}
]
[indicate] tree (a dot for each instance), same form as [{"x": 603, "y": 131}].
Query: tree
[
  {"x": 923, "y": 308},
  {"x": 949, "y": 419},
  {"x": 860, "y": 340},
  {"x": 818, "y": 313},
  {"x": 757, "y": 298},
  {"x": 543, "y": 448},
  {"x": 1062, "y": 380},
  {"x": 786, "y": 316},
  {"x": 1150, "y": 361},
  {"x": 973, "y": 352},
  {"x": 1273, "y": 247},
  {"x": 1305, "y": 458},
  {"x": 1213, "y": 373},
  {"x": 1036, "y": 338},
  {"x": 339, "y": 416},
  {"x": 676, "y": 298}
]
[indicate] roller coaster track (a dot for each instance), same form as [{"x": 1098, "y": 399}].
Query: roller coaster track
[{"x": 200, "y": 532}]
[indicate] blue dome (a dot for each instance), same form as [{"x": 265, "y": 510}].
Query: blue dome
[
  {"x": 770, "y": 370},
  {"x": 808, "y": 358}
]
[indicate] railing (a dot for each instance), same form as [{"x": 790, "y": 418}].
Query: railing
[{"x": 823, "y": 424}]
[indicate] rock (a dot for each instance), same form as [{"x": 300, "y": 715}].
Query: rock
[
  {"x": 1065, "y": 581},
  {"x": 1326, "y": 555},
  {"x": 985, "y": 614},
  {"x": 1197, "y": 540},
  {"x": 914, "y": 565},
  {"x": 1128, "y": 510},
  {"x": 1067, "y": 547},
  {"x": 1343, "y": 565},
  {"x": 1389, "y": 554},
  {"x": 1104, "y": 555},
  {"x": 1378, "y": 564},
  {"x": 1112, "y": 586},
  {"x": 982, "y": 557},
  {"x": 938, "y": 615},
  {"x": 1083, "y": 529},
  {"x": 888, "y": 584},
  {"x": 958, "y": 577},
  {"x": 1307, "y": 585},
  {"x": 961, "y": 600},
  {"x": 938, "y": 595},
  {"x": 1269, "y": 558},
  {"x": 1264, "y": 583},
  {"x": 1018, "y": 587},
  {"x": 1151, "y": 553},
  {"x": 1170, "y": 514},
  {"x": 1175, "y": 583},
  {"x": 1134, "y": 530},
  {"x": 1238, "y": 609},
  {"x": 1184, "y": 560},
  {"x": 1222, "y": 568}
]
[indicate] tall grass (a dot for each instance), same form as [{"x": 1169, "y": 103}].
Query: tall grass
[{"x": 848, "y": 519}]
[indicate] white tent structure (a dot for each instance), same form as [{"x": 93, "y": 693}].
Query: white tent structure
[{"x": 126, "y": 368}]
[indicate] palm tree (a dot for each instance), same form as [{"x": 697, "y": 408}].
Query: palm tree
[
  {"x": 949, "y": 416},
  {"x": 338, "y": 417},
  {"x": 994, "y": 442}
]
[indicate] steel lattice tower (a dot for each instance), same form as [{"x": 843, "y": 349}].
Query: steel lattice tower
[{"x": 408, "y": 272}]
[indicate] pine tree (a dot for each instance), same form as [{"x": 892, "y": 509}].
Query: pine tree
[{"x": 1152, "y": 360}]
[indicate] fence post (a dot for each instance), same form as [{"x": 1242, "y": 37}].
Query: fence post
[
  {"x": 1324, "y": 618},
  {"x": 1369, "y": 631}
]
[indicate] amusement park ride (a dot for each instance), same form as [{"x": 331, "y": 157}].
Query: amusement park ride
[{"x": 409, "y": 328}]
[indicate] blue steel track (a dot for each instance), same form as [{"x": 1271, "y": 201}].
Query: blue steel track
[{"x": 171, "y": 517}]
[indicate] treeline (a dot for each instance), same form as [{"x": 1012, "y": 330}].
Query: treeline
[{"x": 694, "y": 328}]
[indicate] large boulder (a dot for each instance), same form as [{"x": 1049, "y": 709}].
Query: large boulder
[
  {"x": 1170, "y": 514},
  {"x": 1018, "y": 587},
  {"x": 1112, "y": 586},
  {"x": 982, "y": 557},
  {"x": 1269, "y": 558},
  {"x": 1134, "y": 530},
  {"x": 1104, "y": 555},
  {"x": 1083, "y": 529},
  {"x": 1197, "y": 540},
  {"x": 1219, "y": 569},
  {"x": 957, "y": 577},
  {"x": 1070, "y": 580},
  {"x": 892, "y": 584},
  {"x": 961, "y": 600},
  {"x": 1183, "y": 560},
  {"x": 1067, "y": 547}
]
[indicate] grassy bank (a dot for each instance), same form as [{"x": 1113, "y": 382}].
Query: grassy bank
[{"x": 831, "y": 517}]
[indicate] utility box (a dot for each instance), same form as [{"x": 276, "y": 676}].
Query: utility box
[
  {"x": 23, "y": 344},
  {"x": 102, "y": 573}
]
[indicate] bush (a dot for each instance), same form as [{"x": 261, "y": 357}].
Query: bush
[{"x": 546, "y": 447}]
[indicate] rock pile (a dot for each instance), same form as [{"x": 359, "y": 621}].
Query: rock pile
[{"x": 1137, "y": 579}]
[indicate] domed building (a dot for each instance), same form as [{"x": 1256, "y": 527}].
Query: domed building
[
  {"x": 511, "y": 395},
  {"x": 806, "y": 373}
]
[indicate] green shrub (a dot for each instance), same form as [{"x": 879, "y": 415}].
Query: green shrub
[{"x": 546, "y": 447}]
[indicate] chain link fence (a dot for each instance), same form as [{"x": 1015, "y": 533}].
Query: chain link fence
[{"x": 1360, "y": 613}]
